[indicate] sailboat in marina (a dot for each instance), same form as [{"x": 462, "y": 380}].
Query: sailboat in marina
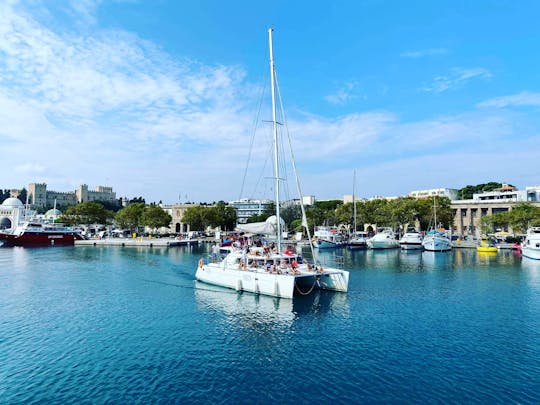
[
  {"x": 357, "y": 239},
  {"x": 436, "y": 240},
  {"x": 273, "y": 271}
]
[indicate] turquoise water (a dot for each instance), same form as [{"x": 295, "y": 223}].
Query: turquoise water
[{"x": 123, "y": 325}]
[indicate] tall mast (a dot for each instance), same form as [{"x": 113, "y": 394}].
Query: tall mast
[
  {"x": 354, "y": 202},
  {"x": 274, "y": 125}
]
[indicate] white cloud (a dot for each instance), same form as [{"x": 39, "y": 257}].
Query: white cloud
[
  {"x": 424, "y": 52},
  {"x": 455, "y": 79},
  {"x": 523, "y": 99},
  {"x": 344, "y": 94},
  {"x": 113, "y": 109}
]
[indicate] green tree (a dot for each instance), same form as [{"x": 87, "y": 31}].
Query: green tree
[
  {"x": 225, "y": 216},
  {"x": 155, "y": 217},
  {"x": 130, "y": 217},
  {"x": 86, "y": 213},
  {"x": 198, "y": 217},
  {"x": 522, "y": 216},
  {"x": 466, "y": 193}
]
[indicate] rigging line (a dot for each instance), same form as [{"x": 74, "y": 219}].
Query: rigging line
[
  {"x": 261, "y": 175},
  {"x": 299, "y": 189},
  {"x": 252, "y": 141}
]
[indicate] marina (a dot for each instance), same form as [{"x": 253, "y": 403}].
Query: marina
[{"x": 131, "y": 324}]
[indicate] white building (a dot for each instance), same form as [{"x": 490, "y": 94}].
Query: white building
[
  {"x": 451, "y": 193},
  {"x": 533, "y": 193},
  {"x": 246, "y": 208},
  {"x": 12, "y": 211}
]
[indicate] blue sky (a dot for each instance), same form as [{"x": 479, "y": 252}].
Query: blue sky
[{"x": 158, "y": 98}]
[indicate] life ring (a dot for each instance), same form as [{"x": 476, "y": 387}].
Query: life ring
[{"x": 201, "y": 263}]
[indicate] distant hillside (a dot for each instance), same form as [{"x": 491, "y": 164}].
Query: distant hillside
[{"x": 466, "y": 193}]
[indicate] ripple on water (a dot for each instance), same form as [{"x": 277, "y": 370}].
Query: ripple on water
[{"x": 123, "y": 326}]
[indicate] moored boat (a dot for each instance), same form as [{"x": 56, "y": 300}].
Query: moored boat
[
  {"x": 358, "y": 240},
  {"x": 531, "y": 245},
  {"x": 385, "y": 238},
  {"x": 486, "y": 247},
  {"x": 411, "y": 240},
  {"x": 437, "y": 239},
  {"x": 327, "y": 238},
  {"x": 36, "y": 234}
]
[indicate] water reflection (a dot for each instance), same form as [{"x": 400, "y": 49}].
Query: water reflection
[
  {"x": 530, "y": 264},
  {"x": 411, "y": 261},
  {"x": 252, "y": 310}
]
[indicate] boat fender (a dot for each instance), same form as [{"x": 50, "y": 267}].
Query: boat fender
[{"x": 201, "y": 263}]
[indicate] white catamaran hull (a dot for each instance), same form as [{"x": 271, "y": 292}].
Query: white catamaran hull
[{"x": 276, "y": 285}]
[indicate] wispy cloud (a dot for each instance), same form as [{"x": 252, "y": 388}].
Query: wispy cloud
[
  {"x": 455, "y": 79},
  {"x": 420, "y": 53},
  {"x": 113, "y": 108},
  {"x": 343, "y": 94},
  {"x": 523, "y": 99}
]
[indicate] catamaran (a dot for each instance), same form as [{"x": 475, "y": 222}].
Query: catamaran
[{"x": 271, "y": 269}]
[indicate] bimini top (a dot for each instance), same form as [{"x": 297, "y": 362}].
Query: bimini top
[{"x": 12, "y": 202}]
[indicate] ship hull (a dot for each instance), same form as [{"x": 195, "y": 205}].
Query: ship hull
[{"x": 41, "y": 239}]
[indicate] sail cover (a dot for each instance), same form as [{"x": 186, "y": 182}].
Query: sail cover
[{"x": 268, "y": 227}]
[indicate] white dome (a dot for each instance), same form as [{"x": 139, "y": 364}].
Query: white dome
[
  {"x": 53, "y": 213},
  {"x": 12, "y": 202}
]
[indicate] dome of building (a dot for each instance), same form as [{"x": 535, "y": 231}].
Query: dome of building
[
  {"x": 53, "y": 213},
  {"x": 12, "y": 202}
]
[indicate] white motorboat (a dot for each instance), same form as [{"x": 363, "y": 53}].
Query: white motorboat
[
  {"x": 273, "y": 272},
  {"x": 437, "y": 240},
  {"x": 326, "y": 237},
  {"x": 385, "y": 238},
  {"x": 531, "y": 245},
  {"x": 358, "y": 240},
  {"x": 411, "y": 240}
]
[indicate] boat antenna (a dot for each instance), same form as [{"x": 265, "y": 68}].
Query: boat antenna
[{"x": 275, "y": 138}]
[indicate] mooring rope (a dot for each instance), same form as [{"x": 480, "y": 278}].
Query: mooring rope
[{"x": 310, "y": 290}]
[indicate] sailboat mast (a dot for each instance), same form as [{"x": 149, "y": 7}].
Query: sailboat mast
[
  {"x": 276, "y": 149},
  {"x": 354, "y": 202}
]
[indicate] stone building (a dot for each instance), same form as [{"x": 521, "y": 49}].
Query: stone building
[
  {"x": 177, "y": 211},
  {"x": 39, "y": 196},
  {"x": 468, "y": 213}
]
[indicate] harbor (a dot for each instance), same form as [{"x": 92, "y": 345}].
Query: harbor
[{"x": 126, "y": 325}]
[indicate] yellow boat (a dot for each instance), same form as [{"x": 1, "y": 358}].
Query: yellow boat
[{"x": 485, "y": 247}]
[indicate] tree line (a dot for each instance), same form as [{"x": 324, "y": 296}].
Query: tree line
[
  {"x": 131, "y": 217},
  {"x": 395, "y": 213},
  {"x": 521, "y": 217}
]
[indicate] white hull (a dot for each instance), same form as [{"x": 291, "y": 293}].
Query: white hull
[
  {"x": 275, "y": 285},
  {"x": 531, "y": 245},
  {"x": 531, "y": 253},
  {"x": 326, "y": 244},
  {"x": 437, "y": 244},
  {"x": 382, "y": 243},
  {"x": 357, "y": 245},
  {"x": 411, "y": 246}
]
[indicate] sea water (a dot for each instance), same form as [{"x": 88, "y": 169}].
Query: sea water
[{"x": 123, "y": 325}]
